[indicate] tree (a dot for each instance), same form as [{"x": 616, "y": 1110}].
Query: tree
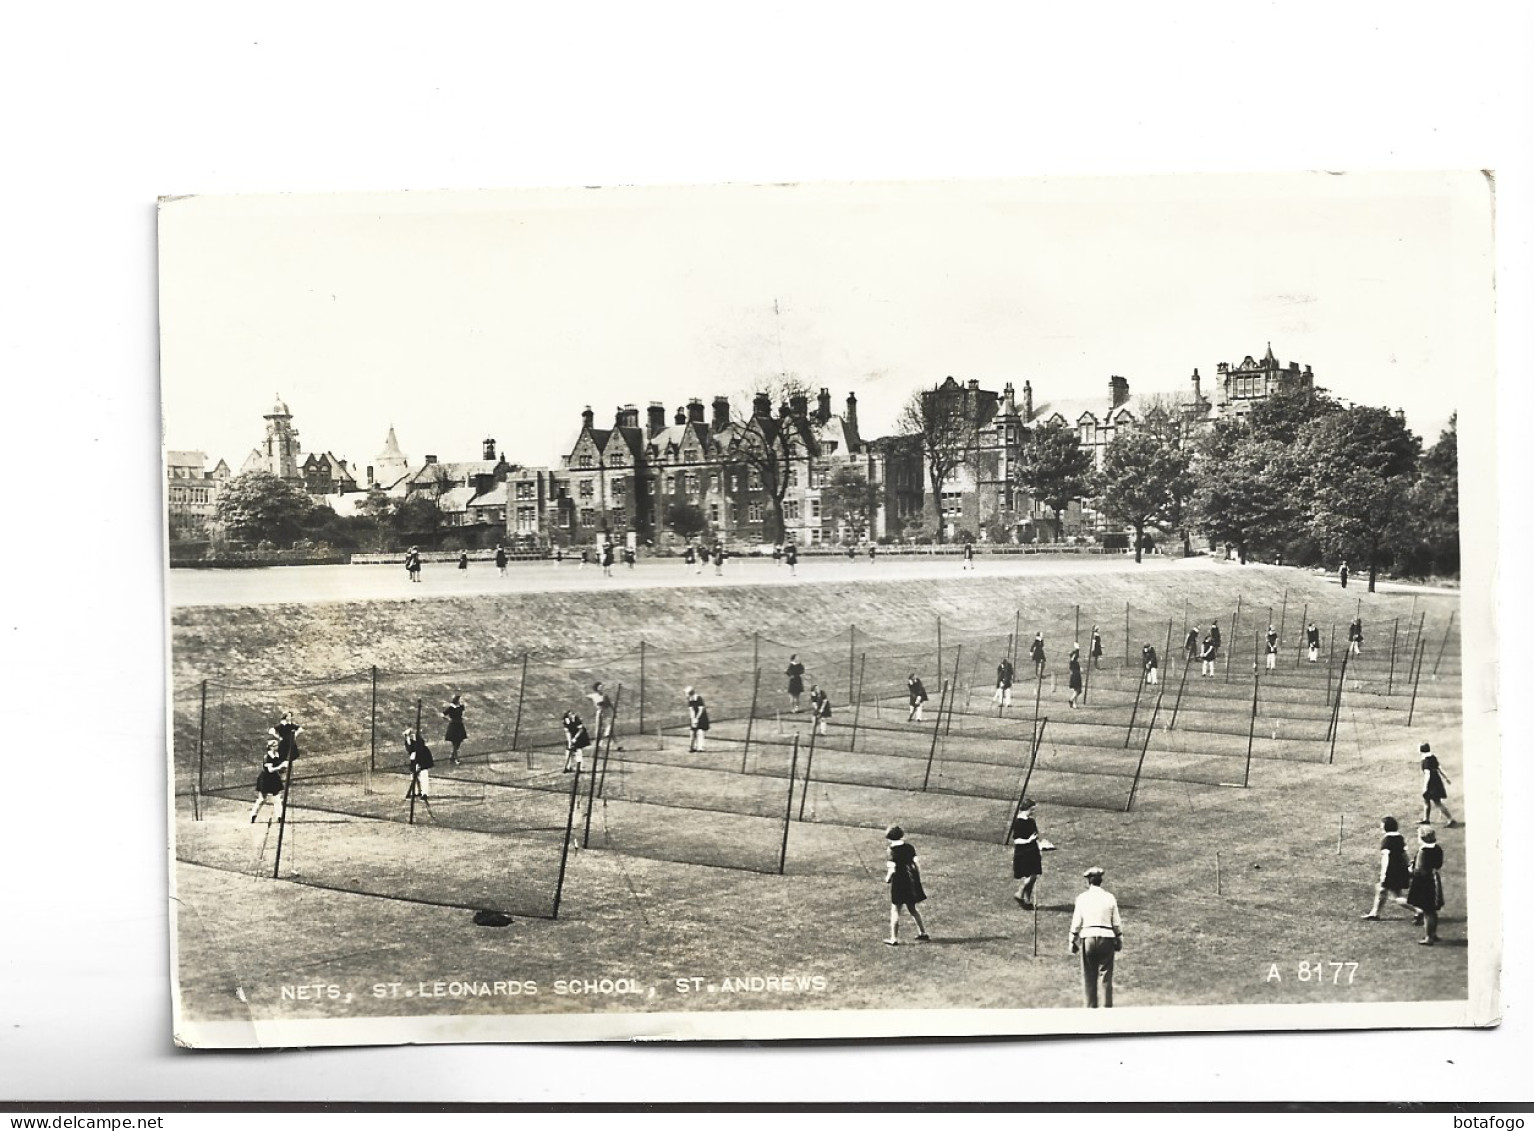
[
  {"x": 850, "y": 501},
  {"x": 258, "y": 506},
  {"x": 1141, "y": 472},
  {"x": 771, "y": 446},
  {"x": 947, "y": 430},
  {"x": 685, "y": 520},
  {"x": 1240, "y": 497},
  {"x": 1432, "y": 544},
  {"x": 1054, "y": 469},
  {"x": 1359, "y": 468},
  {"x": 418, "y": 516}
]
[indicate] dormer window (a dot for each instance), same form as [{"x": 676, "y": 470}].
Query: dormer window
[{"x": 585, "y": 460}]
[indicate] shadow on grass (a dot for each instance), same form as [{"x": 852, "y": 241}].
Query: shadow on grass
[{"x": 966, "y": 940}]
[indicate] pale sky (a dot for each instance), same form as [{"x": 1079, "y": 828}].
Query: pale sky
[{"x": 460, "y": 316}]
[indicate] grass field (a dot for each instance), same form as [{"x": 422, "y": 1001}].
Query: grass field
[{"x": 679, "y": 877}]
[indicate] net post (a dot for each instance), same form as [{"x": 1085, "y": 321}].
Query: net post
[
  {"x": 1251, "y": 729},
  {"x": 1176, "y": 706},
  {"x": 641, "y": 684},
  {"x": 1283, "y": 612},
  {"x": 756, "y": 686},
  {"x": 1299, "y": 650},
  {"x": 1337, "y": 710},
  {"x": 1134, "y": 786},
  {"x": 1390, "y": 680},
  {"x": 1133, "y": 714},
  {"x": 1411, "y": 711},
  {"x": 202, "y": 726},
  {"x": 1447, "y": 629},
  {"x": 564, "y": 854},
  {"x": 282, "y": 821},
  {"x": 418, "y": 718},
  {"x": 852, "y": 656},
  {"x": 788, "y": 813},
  {"x": 1331, "y": 651},
  {"x": 1017, "y": 627},
  {"x": 413, "y": 788},
  {"x": 373, "y": 724},
  {"x": 1235, "y": 619},
  {"x": 809, "y": 769},
  {"x": 939, "y": 647},
  {"x": 601, "y": 785},
  {"x": 756, "y": 651},
  {"x": 957, "y": 657},
  {"x": 1166, "y": 654},
  {"x": 1076, "y": 639},
  {"x": 1033, "y": 758},
  {"x": 937, "y": 726},
  {"x": 516, "y": 727},
  {"x": 857, "y": 704},
  {"x": 1126, "y": 634}
]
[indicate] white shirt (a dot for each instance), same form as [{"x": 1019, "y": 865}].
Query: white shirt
[{"x": 1097, "y": 915}]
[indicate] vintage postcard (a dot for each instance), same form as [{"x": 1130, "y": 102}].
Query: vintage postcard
[{"x": 800, "y": 611}]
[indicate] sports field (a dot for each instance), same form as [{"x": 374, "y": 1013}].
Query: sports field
[{"x": 1237, "y": 822}]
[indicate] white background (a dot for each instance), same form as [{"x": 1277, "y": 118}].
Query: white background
[{"x": 107, "y": 108}]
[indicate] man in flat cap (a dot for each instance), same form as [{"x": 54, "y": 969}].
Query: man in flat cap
[{"x": 1097, "y": 934}]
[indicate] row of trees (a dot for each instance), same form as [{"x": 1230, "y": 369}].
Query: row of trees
[
  {"x": 1302, "y": 478},
  {"x": 261, "y": 507}
]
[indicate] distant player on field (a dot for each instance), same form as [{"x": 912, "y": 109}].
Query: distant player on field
[
  {"x": 1272, "y": 647},
  {"x": 697, "y": 720},
  {"x": 1036, "y": 651},
  {"x": 1313, "y": 641},
  {"x": 1004, "y": 676},
  {"x": 795, "y": 674},
  {"x": 918, "y": 696},
  {"x": 602, "y": 711},
  {"x": 421, "y": 763},
  {"x": 1356, "y": 635},
  {"x": 820, "y": 708},
  {"x": 286, "y": 733},
  {"x": 577, "y": 739},
  {"x": 453, "y": 713},
  {"x": 269, "y": 781},
  {"x": 1150, "y": 662}
]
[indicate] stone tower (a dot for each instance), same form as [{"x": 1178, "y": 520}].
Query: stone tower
[
  {"x": 280, "y": 452},
  {"x": 390, "y": 465}
]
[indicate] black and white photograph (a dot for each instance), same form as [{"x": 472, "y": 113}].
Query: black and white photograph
[{"x": 830, "y": 610}]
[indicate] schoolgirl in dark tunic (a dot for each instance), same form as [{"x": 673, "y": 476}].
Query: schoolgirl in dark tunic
[
  {"x": 918, "y": 696},
  {"x": 1272, "y": 647},
  {"x": 286, "y": 733},
  {"x": 969, "y": 555},
  {"x": 607, "y": 559},
  {"x": 1190, "y": 646},
  {"x": 1027, "y": 859},
  {"x": 1151, "y": 663},
  {"x": 795, "y": 674},
  {"x": 1356, "y": 636},
  {"x": 1433, "y": 781},
  {"x": 463, "y": 559},
  {"x": 1036, "y": 650},
  {"x": 413, "y": 564},
  {"x": 1206, "y": 657},
  {"x": 1095, "y": 648},
  {"x": 269, "y": 781},
  {"x": 791, "y": 556},
  {"x": 697, "y": 720},
  {"x": 719, "y": 556},
  {"x": 902, "y": 872},
  {"x": 1075, "y": 679},
  {"x": 1313, "y": 641},
  {"x": 453, "y": 713},
  {"x": 1395, "y": 869},
  {"x": 500, "y": 559},
  {"x": 1004, "y": 675},
  {"x": 577, "y": 739},
  {"x": 820, "y": 709},
  {"x": 1214, "y": 635},
  {"x": 688, "y": 556},
  {"x": 421, "y": 763},
  {"x": 1424, "y": 893}
]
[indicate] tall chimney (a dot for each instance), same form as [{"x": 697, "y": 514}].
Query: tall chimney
[
  {"x": 487, "y": 449},
  {"x": 681, "y": 415},
  {"x": 721, "y": 413},
  {"x": 761, "y": 405},
  {"x": 370, "y": 475},
  {"x": 1118, "y": 391},
  {"x": 823, "y": 406},
  {"x": 800, "y": 404},
  {"x": 1198, "y": 394},
  {"x": 695, "y": 411},
  {"x": 1027, "y": 401},
  {"x": 431, "y": 459},
  {"x": 628, "y": 417},
  {"x": 587, "y": 416},
  {"x": 657, "y": 420},
  {"x": 852, "y": 413}
]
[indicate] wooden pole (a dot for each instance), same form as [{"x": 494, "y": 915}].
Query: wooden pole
[
  {"x": 1038, "y": 694},
  {"x": 957, "y": 657},
  {"x": 1299, "y": 651},
  {"x": 1182, "y": 683},
  {"x": 852, "y": 656},
  {"x": 857, "y": 704},
  {"x": 564, "y": 853},
  {"x": 937, "y": 726},
  {"x": 1126, "y": 634},
  {"x": 1283, "y": 612},
  {"x": 1395, "y": 632},
  {"x": 418, "y": 718},
  {"x": 756, "y": 651},
  {"x": 202, "y": 725},
  {"x": 1331, "y": 651},
  {"x": 1017, "y": 628},
  {"x": 1447, "y": 628},
  {"x": 282, "y": 821},
  {"x": 788, "y": 813},
  {"x": 756, "y": 686},
  {"x": 1134, "y": 786},
  {"x": 373, "y": 725},
  {"x": 1340, "y": 817},
  {"x": 516, "y": 729},
  {"x": 1129, "y": 731},
  {"x": 1033, "y": 757},
  {"x": 939, "y": 648},
  {"x": 1231, "y": 652},
  {"x": 1076, "y": 639},
  {"x": 1411, "y": 712},
  {"x": 641, "y": 684},
  {"x": 1251, "y": 729},
  {"x": 809, "y": 769},
  {"x": 1166, "y": 653},
  {"x": 1337, "y": 710}
]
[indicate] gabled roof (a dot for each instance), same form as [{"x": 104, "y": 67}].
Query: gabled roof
[
  {"x": 497, "y": 496},
  {"x": 455, "y": 499},
  {"x": 1071, "y": 409},
  {"x": 186, "y": 459}
]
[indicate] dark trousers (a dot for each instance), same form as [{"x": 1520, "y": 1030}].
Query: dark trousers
[{"x": 1097, "y": 965}]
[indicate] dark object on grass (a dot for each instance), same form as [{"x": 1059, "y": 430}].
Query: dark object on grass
[{"x": 491, "y": 919}]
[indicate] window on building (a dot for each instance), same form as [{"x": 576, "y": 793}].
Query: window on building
[
  {"x": 713, "y": 512},
  {"x": 585, "y": 460},
  {"x": 953, "y": 504},
  {"x": 814, "y": 535},
  {"x": 1086, "y": 433},
  {"x": 588, "y": 516},
  {"x": 527, "y": 519},
  {"x": 754, "y": 478},
  {"x": 619, "y": 487},
  {"x": 670, "y": 484},
  {"x": 525, "y": 489},
  {"x": 616, "y": 459},
  {"x": 793, "y": 476},
  {"x": 756, "y": 512},
  {"x": 585, "y": 490},
  {"x": 814, "y": 509},
  {"x": 692, "y": 482},
  {"x": 790, "y": 510}
]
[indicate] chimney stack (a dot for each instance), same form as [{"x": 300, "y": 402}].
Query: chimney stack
[
  {"x": 587, "y": 416},
  {"x": 487, "y": 449},
  {"x": 370, "y": 475},
  {"x": 823, "y": 406},
  {"x": 1118, "y": 391},
  {"x": 721, "y": 413},
  {"x": 681, "y": 416},
  {"x": 852, "y": 413},
  {"x": 761, "y": 405},
  {"x": 1198, "y": 394},
  {"x": 627, "y": 417},
  {"x": 800, "y": 404},
  {"x": 695, "y": 411},
  {"x": 1027, "y": 401},
  {"x": 657, "y": 420},
  {"x": 431, "y": 459}
]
